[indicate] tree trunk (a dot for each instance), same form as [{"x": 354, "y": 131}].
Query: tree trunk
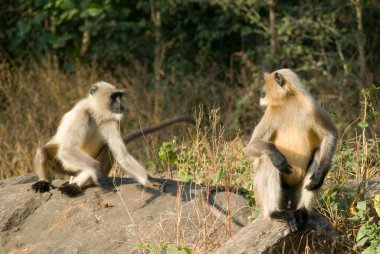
[
  {"x": 158, "y": 58},
  {"x": 272, "y": 25},
  {"x": 361, "y": 42}
]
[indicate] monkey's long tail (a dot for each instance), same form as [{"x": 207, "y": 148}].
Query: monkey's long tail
[{"x": 147, "y": 130}]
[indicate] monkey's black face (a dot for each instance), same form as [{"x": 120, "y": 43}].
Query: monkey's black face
[{"x": 116, "y": 103}]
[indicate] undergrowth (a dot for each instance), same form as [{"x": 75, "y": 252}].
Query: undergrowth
[{"x": 209, "y": 159}]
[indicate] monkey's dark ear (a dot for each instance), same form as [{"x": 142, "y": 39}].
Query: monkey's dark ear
[
  {"x": 93, "y": 89},
  {"x": 279, "y": 79}
]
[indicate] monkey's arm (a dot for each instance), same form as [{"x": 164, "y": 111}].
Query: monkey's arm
[
  {"x": 104, "y": 156},
  {"x": 129, "y": 164},
  {"x": 323, "y": 157},
  {"x": 259, "y": 145},
  {"x": 257, "y": 148}
]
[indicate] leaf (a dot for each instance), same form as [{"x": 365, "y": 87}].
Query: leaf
[
  {"x": 372, "y": 249},
  {"x": 94, "y": 10},
  {"x": 361, "y": 206},
  {"x": 375, "y": 113},
  {"x": 40, "y": 16},
  {"x": 68, "y": 15},
  {"x": 40, "y": 3},
  {"x": 220, "y": 174},
  {"x": 23, "y": 27},
  {"x": 362, "y": 241},
  {"x": 376, "y": 201},
  {"x": 187, "y": 250},
  {"x": 363, "y": 124},
  {"x": 361, "y": 233},
  {"x": 367, "y": 251}
]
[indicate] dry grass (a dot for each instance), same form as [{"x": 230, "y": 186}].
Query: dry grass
[
  {"x": 33, "y": 100},
  {"x": 34, "y": 97}
]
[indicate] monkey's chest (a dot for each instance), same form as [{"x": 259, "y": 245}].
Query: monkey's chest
[
  {"x": 92, "y": 143},
  {"x": 298, "y": 146}
]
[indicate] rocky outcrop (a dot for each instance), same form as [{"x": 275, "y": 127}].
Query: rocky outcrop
[
  {"x": 126, "y": 219},
  {"x": 263, "y": 236},
  {"x": 120, "y": 219}
]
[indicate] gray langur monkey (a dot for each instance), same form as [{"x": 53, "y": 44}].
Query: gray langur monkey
[
  {"x": 292, "y": 147},
  {"x": 87, "y": 142}
]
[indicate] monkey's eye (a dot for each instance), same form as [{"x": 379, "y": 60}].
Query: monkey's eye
[
  {"x": 93, "y": 89},
  {"x": 279, "y": 79}
]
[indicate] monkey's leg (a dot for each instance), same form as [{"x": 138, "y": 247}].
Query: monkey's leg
[
  {"x": 267, "y": 184},
  {"x": 295, "y": 219},
  {"x": 298, "y": 219},
  {"x": 105, "y": 159},
  {"x": 273, "y": 196},
  {"x": 75, "y": 160},
  {"x": 306, "y": 198},
  {"x": 44, "y": 164}
]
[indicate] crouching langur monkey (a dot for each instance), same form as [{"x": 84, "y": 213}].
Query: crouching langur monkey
[
  {"x": 88, "y": 141},
  {"x": 292, "y": 147}
]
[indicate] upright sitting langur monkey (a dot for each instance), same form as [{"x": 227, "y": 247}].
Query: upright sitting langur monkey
[
  {"x": 83, "y": 140},
  {"x": 293, "y": 146}
]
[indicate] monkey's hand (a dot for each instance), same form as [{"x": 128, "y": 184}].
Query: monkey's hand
[
  {"x": 280, "y": 162},
  {"x": 316, "y": 181}
]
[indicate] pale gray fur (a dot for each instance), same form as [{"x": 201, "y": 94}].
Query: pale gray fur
[
  {"x": 265, "y": 175},
  {"x": 82, "y": 133}
]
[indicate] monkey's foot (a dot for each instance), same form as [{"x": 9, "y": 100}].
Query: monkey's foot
[
  {"x": 153, "y": 185},
  {"x": 296, "y": 220},
  {"x": 70, "y": 189},
  {"x": 41, "y": 186},
  {"x": 159, "y": 186}
]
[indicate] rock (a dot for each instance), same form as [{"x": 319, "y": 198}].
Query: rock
[
  {"x": 368, "y": 188},
  {"x": 122, "y": 218},
  {"x": 265, "y": 236},
  {"x": 240, "y": 212},
  {"x": 105, "y": 220}
]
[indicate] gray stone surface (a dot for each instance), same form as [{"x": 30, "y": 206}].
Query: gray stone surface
[
  {"x": 105, "y": 221},
  {"x": 264, "y": 237},
  {"x": 122, "y": 216}
]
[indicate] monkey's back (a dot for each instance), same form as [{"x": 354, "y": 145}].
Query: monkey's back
[{"x": 78, "y": 129}]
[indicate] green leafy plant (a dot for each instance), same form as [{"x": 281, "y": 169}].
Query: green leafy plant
[
  {"x": 168, "y": 152},
  {"x": 209, "y": 159},
  {"x": 368, "y": 235},
  {"x": 168, "y": 247}
]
